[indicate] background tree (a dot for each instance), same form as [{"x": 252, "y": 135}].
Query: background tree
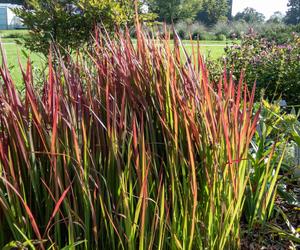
[
  {"x": 12, "y": 1},
  {"x": 250, "y": 15},
  {"x": 174, "y": 10},
  {"x": 213, "y": 11},
  {"x": 293, "y": 13},
  {"x": 69, "y": 23},
  {"x": 277, "y": 17},
  {"x": 230, "y": 7}
]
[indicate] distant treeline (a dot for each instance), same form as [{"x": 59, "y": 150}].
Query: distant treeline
[{"x": 12, "y": 1}]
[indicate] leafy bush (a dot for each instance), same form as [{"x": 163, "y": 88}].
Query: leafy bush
[
  {"x": 130, "y": 146},
  {"x": 272, "y": 171},
  {"x": 265, "y": 170},
  {"x": 276, "y": 68},
  {"x": 199, "y": 31},
  {"x": 234, "y": 29},
  {"x": 272, "y": 31},
  {"x": 182, "y": 30},
  {"x": 207, "y": 36},
  {"x": 69, "y": 23},
  {"x": 279, "y": 33},
  {"x": 241, "y": 28},
  {"x": 221, "y": 37},
  {"x": 222, "y": 28},
  {"x": 196, "y": 30}
]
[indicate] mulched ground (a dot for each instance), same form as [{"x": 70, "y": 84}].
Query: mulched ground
[{"x": 267, "y": 238}]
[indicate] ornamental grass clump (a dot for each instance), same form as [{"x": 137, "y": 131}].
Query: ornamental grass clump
[{"x": 128, "y": 146}]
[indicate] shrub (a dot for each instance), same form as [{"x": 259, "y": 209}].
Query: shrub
[
  {"x": 235, "y": 29},
  {"x": 207, "y": 36},
  {"x": 239, "y": 29},
  {"x": 272, "y": 31},
  {"x": 270, "y": 136},
  {"x": 221, "y": 37},
  {"x": 276, "y": 68},
  {"x": 131, "y": 146},
  {"x": 222, "y": 28},
  {"x": 279, "y": 33},
  {"x": 198, "y": 30},
  {"x": 69, "y": 23},
  {"x": 182, "y": 30}
]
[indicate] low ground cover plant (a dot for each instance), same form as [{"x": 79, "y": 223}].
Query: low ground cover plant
[{"x": 128, "y": 146}]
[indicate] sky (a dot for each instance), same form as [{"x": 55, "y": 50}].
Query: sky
[{"x": 267, "y": 7}]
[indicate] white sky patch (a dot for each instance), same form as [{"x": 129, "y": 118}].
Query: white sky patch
[{"x": 267, "y": 7}]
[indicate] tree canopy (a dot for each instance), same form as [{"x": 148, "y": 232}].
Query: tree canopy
[
  {"x": 277, "y": 17},
  {"x": 174, "y": 10},
  {"x": 69, "y": 23},
  {"x": 206, "y": 11},
  {"x": 250, "y": 15},
  {"x": 293, "y": 13},
  {"x": 213, "y": 11},
  {"x": 12, "y": 1}
]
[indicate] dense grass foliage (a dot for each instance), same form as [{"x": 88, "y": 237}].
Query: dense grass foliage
[
  {"x": 132, "y": 147},
  {"x": 14, "y": 48}
]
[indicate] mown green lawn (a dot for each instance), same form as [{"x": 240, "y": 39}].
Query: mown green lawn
[
  {"x": 15, "y": 52},
  {"x": 212, "y": 49}
]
